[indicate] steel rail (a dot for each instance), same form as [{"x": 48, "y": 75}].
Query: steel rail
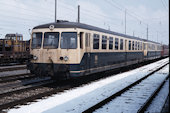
[
  {"x": 15, "y": 77},
  {"x": 149, "y": 100},
  {"x": 31, "y": 98},
  {"x": 12, "y": 69},
  {"x": 105, "y": 101},
  {"x": 28, "y": 87}
]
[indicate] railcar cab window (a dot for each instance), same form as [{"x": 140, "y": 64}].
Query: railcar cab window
[
  {"x": 68, "y": 40},
  {"x": 121, "y": 44},
  {"x": 95, "y": 41},
  {"x": 110, "y": 42},
  {"x": 116, "y": 43},
  {"x": 36, "y": 40},
  {"x": 51, "y": 40},
  {"x": 104, "y": 42}
]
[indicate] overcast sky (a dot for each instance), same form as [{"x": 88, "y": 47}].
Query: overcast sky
[{"x": 18, "y": 16}]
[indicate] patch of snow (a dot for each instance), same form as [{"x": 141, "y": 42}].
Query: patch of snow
[
  {"x": 131, "y": 100},
  {"x": 159, "y": 100}
]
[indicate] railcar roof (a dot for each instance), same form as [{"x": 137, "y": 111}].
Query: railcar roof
[{"x": 66, "y": 24}]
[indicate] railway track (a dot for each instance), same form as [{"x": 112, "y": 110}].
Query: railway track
[
  {"x": 12, "y": 68},
  {"x": 30, "y": 92},
  {"x": 27, "y": 92},
  {"x": 10, "y": 78},
  {"x": 136, "y": 95},
  {"x": 10, "y": 87}
]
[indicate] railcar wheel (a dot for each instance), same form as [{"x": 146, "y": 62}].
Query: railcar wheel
[
  {"x": 32, "y": 72},
  {"x": 37, "y": 72}
]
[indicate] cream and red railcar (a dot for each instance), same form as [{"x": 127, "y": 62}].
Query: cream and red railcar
[
  {"x": 69, "y": 49},
  {"x": 165, "y": 50}
]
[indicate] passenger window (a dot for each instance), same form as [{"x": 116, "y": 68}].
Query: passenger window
[
  {"x": 130, "y": 45},
  {"x": 121, "y": 44},
  {"x": 81, "y": 40},
  {"x": 110, "y": 42},
  {"x": 153, "y": 47},
  {"x": 116, "y": 43},
  {"x": 144, "y": 46},
  {"x": 138, "y": 45},
  {"x": 95, "y": 41},
  {"x": 104, "y": 42},
  {"x": 133, "y": 45},
  {"x": 87, "y": 40}
]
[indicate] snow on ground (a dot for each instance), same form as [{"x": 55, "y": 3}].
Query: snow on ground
[
  {"x": 131, "y": 100},
  {"x": 15, "y": 72},
  {"x": 78, "y": 99},
  {"x": 160, "y": 99}
]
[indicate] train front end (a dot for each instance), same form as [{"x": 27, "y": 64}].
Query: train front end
[{"x": 55, "y": 51}]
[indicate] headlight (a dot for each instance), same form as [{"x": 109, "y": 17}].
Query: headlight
[
  {"x": 35, "y": 57},
  {"x": 66, "y": 58}
]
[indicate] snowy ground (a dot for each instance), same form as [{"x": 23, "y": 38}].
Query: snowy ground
[
  {"x": 78, "y": 99},
  {"x": 159, "y": 100},
  {"x": 131, "y": 100}
]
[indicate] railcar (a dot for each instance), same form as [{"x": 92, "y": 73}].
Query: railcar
[
  {"x": 165, "y": 50},
  {"x": 66, "y": 50},
  {"x": 13, "y": 49}
]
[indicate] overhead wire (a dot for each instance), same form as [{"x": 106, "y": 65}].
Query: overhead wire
[
  {"x": 72, "y": 10},
  {"x": 132, "y": 14},
  {"x": 31, "y": 11},
  {"x": 164, "y": 5}
]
